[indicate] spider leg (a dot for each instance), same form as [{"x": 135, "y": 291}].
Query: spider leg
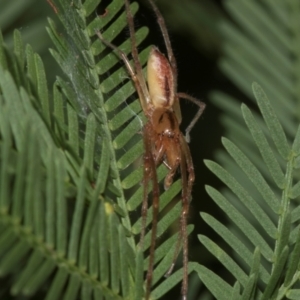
[
  {"x": 135, "y": 56},
  {"x": 166, "y": 164},
  {"x": 177, "y": 110},
  {"x": 186, "y": 166},
  {"x": 119, "y": 52},
  {"x": 163, "y": 28},
  {"x": 149, "y": 174},
  {"x": 134, "y": 77},
  {"x": 201, "y": 106},
  {"x": 170, "y": 176}
]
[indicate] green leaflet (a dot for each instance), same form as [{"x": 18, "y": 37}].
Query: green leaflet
[
  {"x": 245, "y": 188},
  {"x": 259, "y": 167}
]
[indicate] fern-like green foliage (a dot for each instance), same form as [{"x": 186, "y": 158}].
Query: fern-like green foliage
[
  {"x": 260, "y": 166},
  {"x": 70, "y": 163}
]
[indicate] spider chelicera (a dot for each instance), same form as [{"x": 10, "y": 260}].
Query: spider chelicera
[{"x": 163, "y": 140}]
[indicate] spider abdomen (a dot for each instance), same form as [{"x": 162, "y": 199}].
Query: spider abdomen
[{"x": 160, "y": 80}]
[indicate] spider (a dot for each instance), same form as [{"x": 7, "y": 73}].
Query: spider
[{"x": 163, "y": 140}]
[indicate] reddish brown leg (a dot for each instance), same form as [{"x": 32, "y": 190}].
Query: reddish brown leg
[
  {"x": 186, "y": 167},
  {"x": 163, "y": 28},
  {"x": 53, "y": 6},
  {"x": 196, "y": 117},
  {"x": 149, "y": 174},
  {"x": 137, "y": 74},
  {"x": 135, "y": 56},
  {"x": 133, "y": 75},
  {"x": 186, "y": 198},
  {"x": 172, "y": 168}
]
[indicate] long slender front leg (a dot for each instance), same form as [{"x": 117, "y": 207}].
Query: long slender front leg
[
  {"x": 187, "y": 180},
  {"x": 164, "y": 31},
  {"x": 135, "y": 55},
  {"x": 149, "y": 174},
  {"x": 130, "y": 70}
]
